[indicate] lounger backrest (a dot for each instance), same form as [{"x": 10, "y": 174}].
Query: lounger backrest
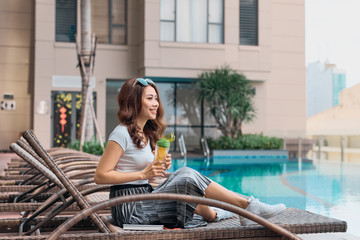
[
  {"x": 75, "y": 193},
  {"x": 25, "y": 145},
  {"x": 35, "y": 163}
]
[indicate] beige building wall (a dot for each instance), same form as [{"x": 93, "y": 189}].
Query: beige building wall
[
  {"x": 285, "y": 92},
  {"x": 16, "y": 67},
  {"x": 338, "y": 126},
  {"x": 60, "y": 59},
  {"x": 276, "y": 67}
]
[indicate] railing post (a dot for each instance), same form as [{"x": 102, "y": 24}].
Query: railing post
[
  {"x": 299, "y": 154},
  {"x": 284, "y": 143},
  {"x": 342, "y": 148},
  {"x": 299, "y": 148},
  {"x": 205, "y": 147},
  {"x": 320, "y": 143},
  {"x": 182, "y": 146}
]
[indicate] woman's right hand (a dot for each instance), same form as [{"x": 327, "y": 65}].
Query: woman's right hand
[{"x": 153, "y": 170}]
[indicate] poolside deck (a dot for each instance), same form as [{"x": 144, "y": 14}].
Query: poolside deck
[{"x": 328, "y": 236}]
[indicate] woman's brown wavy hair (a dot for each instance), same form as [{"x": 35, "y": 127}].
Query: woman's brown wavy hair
[{"x": 130, "y": 104}]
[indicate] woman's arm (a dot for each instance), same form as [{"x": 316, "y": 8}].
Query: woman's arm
[{"x": 106, "y": 173}]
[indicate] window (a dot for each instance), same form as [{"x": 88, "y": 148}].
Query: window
[
  {"x": 192, "y": 21},
  {"x": 184, "y": 114},
  {"x": 249, "y": 22},
  {"x": 65, "y": 28},
  {"x": 109, "y": 21}
]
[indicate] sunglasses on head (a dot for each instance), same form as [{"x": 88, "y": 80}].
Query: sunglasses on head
[{"x": 144, "y": 81}]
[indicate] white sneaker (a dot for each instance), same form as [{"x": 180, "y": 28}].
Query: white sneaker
[{"x": 262, "y": 210}]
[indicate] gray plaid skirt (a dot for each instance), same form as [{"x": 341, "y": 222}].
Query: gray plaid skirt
[{"x": 171, "y": 214}]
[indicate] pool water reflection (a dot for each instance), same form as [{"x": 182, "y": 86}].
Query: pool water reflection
[{"x": 324, "y": 187}]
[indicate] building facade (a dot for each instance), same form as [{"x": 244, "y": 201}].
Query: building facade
[
  {"x": 171, "y": 42},
  {"x": 324, "y": 82}
]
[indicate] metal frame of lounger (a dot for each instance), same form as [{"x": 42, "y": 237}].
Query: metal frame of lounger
[
  {"x": 64, "y": 162},
  {"x": 21, "y": 164},
  {"x": 62, "y": 156},
  {"x": 73, "y": 191},
  {"x": 45, "y": 185},
  {"x": 68, "y": 167},
  {"x": 34, "y": 206},
  {"x": 42, "y": 207}
]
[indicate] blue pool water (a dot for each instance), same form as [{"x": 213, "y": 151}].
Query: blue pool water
[{"x": 324, "y": 187}]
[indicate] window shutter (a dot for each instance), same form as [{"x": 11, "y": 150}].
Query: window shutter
[
  {"x": 65, "y": 20},
  {"x": 249, "y": 24}
]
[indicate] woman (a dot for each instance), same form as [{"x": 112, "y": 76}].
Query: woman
[{"x": 127, "y": 165}]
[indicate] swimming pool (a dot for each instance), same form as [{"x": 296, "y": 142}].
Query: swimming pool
[{"x": 324, "y": 187}]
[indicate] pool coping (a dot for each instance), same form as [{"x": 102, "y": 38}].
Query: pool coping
[{"x": 248, "y": 154}]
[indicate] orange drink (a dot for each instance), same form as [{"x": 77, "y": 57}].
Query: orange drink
[{"x": 161, "y": 149}]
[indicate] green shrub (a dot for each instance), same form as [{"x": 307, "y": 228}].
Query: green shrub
[
  {"x": 246, "y": 142},
  {"x": 92, "y": 147}
]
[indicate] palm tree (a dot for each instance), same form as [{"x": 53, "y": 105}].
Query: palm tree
[{"x": 229, "y": 97}]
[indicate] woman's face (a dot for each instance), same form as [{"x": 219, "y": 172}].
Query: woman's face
[{"x": 150, "y": 104}]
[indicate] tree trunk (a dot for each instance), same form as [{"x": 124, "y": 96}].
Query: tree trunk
[{"x": 87, "y": 133}]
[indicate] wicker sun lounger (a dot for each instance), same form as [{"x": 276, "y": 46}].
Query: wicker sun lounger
[
  {"x": 65, "y": 159},
  {"x": 59, "y": 178},
  {"x": 75, "y": 167},
  {"x": 36, "y": 164},
  {"x": 42, "y": 207},
  {"x": 59, "y": 155},
  {"x": 295, "y": 220}
]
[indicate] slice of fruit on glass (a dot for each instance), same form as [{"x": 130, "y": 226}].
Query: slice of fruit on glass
[{"x": 170, "y": 137}]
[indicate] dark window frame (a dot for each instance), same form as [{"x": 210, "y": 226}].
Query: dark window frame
[
  {"x": 249, "y": 22},
  {"x": 113, "y": 25},
  {"x": 60, "y": 28},
  {"x": 202, "y": 126},
  {"x": 175, "y": 125}
]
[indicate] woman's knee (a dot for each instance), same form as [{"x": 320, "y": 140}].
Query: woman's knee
[{"x": 186, "y": 170}]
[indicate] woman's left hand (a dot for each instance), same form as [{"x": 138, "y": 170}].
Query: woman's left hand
[{"x": 168, "y": 161}]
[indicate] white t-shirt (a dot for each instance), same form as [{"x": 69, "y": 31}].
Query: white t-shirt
[{"x": 133, "y": 158}]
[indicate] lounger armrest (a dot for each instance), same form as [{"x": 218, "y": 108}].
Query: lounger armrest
[{"x": 167, "y": 196}]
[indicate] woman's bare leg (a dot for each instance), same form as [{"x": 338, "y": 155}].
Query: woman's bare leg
[
  {"x": 207, "y": 213},
  {"x": 218, "y": 192}
]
